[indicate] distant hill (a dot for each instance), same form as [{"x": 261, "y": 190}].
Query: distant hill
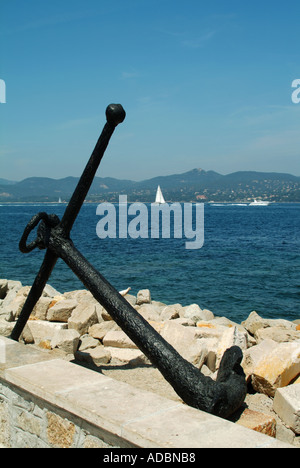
[
  {"x": 7, "y": 182},
  {"x": 193, "y": 185}
]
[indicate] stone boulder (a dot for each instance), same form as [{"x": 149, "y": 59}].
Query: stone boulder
[
  {"x": 98, "y": 356},
  {"x": 287, "y": 406},
  {"x": 259, "y": 422},
  {"x": 253, "y": 356},
  {"x": 99, "y": 330},
  {"x": 231, "y": 337},
  {"x": 66, "y": 339},
  {"x": 40, "y": 310},
  {"x": 6, "y": 327},
  {"x": 194, "y": 313},
  {"x": 88, "y": 342},
  {"x": 61, "y": 310},
  {"x": 83, "y": 317},
  {"x": 277, "y": 369},
  {"x": 279, "y": 334},
  {"x": 42, "y": 330},
  {"x": 149, "y": 311},
  {"x": 254, "y": 322},
  {"x": 170, "y": 312},
  {"x": 186, "y": 341},
  {"x": 143, "y": 297},
  {"x": 130, "y": 356},
  {"x": 118, "y": 339},
  {"x": 49, "y": 291},
  {"x": 14, "y": 301}
]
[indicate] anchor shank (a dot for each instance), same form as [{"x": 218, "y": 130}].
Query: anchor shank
[
  {"x": 115, "y": 114},
  {"x": 85, "y": 180},
  {"x": 35, "y": 293}
]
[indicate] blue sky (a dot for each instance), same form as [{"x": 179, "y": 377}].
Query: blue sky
[{"x": 204, "y": 84}]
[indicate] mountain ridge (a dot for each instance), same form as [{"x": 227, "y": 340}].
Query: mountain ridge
[{"x": 193, "y": 185}]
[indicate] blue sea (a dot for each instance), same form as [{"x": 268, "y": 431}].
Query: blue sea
[{"x": 250, "y": 259}]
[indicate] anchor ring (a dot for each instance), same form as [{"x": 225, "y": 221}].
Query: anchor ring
[{"x": 50, "y": 221}]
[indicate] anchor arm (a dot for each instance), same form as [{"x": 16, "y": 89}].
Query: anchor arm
[{"x": 35, "y": 293}]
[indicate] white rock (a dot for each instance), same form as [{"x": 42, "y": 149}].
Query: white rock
[
  {"x": 62, "y": 310},
  {"x": 83, "y": 317},
  {"x": 184, "y": 322},
  {"x": 278, "y": 333},
  {"x": 79, "y": 295},
  {"x": 149, "y": 311},
  {"x": 12, "y": 284},
  {"x": 278, "y": 369},
  {"x": 44, "y": 331},
  {"x": 196, "y": 314},
  {"x": 6, "y": 327},
  {"x": 131, "y": 299},
  {"x": 100, "y": 355},
  {"x": 207, "y": 314},
  {"x": 143, "y": 297},
  {"x": 282, "y": 323},
  {"x": 99, "y": 330},
  {"x": 65, "y": 339},
  {"x": 254, "y": 355},
  {"x": 231, "y": 337},
  {"x": 209, "y": 329},
  {"x": 14, "y": 301},
  {"x": 287, "y": 406},
  {"x": 87, "y": 342},
  {"x": 134, "y": 357},
  {"x": 26, "y": 335},
  {"x": 171, "y": 312},
  {"x": 49, "y": 291},
  {"x": 118, "y": 339},
  {"x": 41, "y": 308},
  {"x": 254, "y": 322},
  {"x": 185, "y": 341}
]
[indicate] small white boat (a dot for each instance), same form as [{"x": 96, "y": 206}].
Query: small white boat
[
  {"x": 159, "y": 196},
  {"x": 259, "y": 203}
]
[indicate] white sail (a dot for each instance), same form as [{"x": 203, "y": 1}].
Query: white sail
[{"x": 159, "y": 196}]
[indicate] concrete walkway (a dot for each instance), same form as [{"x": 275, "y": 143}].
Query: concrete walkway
[{"x": 139, "y": 418}]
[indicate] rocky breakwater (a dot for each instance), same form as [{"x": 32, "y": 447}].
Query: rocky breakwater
[{"x": 77, "y": 325}]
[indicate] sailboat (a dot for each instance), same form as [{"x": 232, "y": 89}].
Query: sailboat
[{"x": 159, "y": 196}]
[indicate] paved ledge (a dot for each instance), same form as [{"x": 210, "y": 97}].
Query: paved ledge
[{"x": 131, "y": 416}]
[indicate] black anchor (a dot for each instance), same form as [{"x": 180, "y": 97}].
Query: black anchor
[{"x": 221, "y": 397}]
